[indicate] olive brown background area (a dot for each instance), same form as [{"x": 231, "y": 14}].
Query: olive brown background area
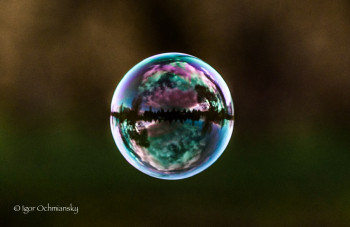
[{"x": 287, "y": 66}]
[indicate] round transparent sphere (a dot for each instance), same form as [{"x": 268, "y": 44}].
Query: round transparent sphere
[{"x": 172, "y": 116}]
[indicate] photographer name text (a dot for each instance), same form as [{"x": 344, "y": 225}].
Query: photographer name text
[{"x": 46, "y": 208}]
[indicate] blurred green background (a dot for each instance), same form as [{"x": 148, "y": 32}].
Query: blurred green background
[{"x": 286, "y": 63}]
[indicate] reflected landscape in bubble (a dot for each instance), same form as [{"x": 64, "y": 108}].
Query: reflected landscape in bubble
[{"x": 172, "y": 116}]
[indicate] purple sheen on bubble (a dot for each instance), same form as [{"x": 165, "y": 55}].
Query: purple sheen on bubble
[{"x": 172, "y": 116}]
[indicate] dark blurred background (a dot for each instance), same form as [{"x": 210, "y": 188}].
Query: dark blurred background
[{"x": 286, "y": 63}]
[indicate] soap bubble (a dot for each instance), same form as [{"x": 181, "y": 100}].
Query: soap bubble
[{"x": 172, "y": 116}]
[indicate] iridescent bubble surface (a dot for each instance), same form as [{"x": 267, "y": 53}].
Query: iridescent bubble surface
[{"x": 172, "y": 116}]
